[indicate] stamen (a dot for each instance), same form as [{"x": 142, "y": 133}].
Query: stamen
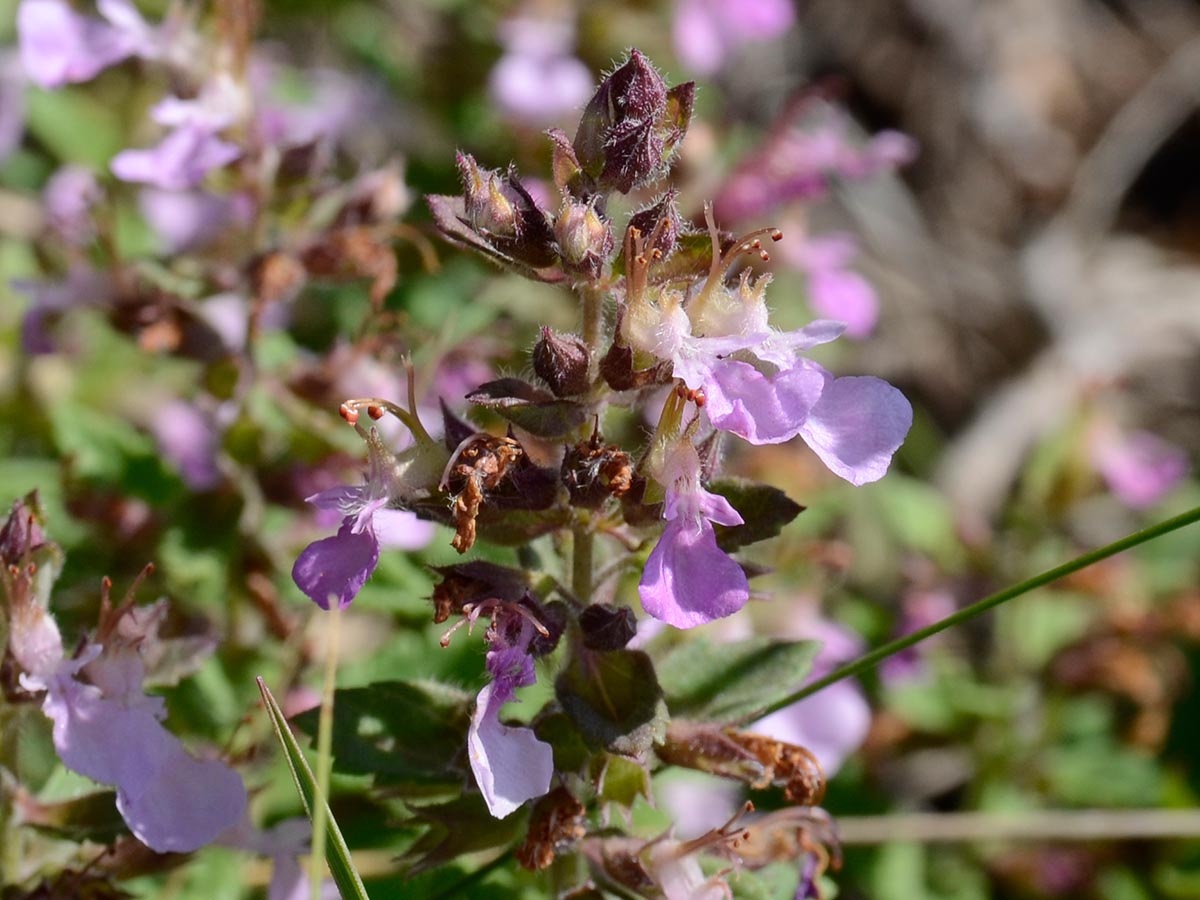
[
  {"x": 375, "y": 412},
  {"x": 348, "y": 413},
  {"x": 458, "y": 451}
]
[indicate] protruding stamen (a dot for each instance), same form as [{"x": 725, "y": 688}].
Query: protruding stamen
[{"x": 375, "y": 412}]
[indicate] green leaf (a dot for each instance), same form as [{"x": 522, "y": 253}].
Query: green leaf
[
  {"x": 766, "y": 510},
  {"x": 537, "y": 411},
  {"x": 732, "y": 684},
  {"x": 614, "y": 700},
  {"x": 621, "y": 780},
  {"x": 337, "y": 854},
  {"x": 458, "y": 827},
  {"x": 92, "y": 817},
  {"x": 406, "y": 734}
]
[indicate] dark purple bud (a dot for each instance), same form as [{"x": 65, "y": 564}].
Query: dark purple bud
[
  {"x": 659, "y": 221},
  {"x": 585, "y": 238},
  {"x": 631, "y": 126},
  {"x": 619, "y": 372},
  {"x": 454, "y": 429},
  {"x": 553, "y": 617},
  {"x": 21, "y": 532},
  {"x": 561, "y": 360},
  {"x": 607, "y": 627}
]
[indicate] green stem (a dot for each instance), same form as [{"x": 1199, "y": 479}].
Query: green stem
[
  {"x": 593, "y": 326},
  {"x": 325, "y": 751},
  {"x": 581, "y": 562},
  {"x": 879, "y": 654}
]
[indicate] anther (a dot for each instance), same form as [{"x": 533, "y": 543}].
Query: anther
[
  {"x": 349, "y": 413},
  {"x": 375, "y": 412}
]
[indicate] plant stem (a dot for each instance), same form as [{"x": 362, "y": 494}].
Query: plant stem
[
  {"x": 583, "y": 541},
  {"x": 879, "y": 654},
  {"x": 324, "y": 751}
]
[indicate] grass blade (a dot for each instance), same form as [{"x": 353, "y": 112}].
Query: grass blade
[{"x": 337, "y": 854}]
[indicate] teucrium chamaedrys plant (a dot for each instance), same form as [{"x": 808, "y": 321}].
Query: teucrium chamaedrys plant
[{"x": 662, "y": 308}]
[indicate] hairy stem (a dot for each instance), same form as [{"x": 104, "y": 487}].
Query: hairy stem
[
  {"x": 592, "y": 313},
  {"x": 879, "y": 654}
]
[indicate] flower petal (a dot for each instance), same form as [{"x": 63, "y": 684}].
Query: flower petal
[
  {"x": 688, "y": 580},
  {"x": 337, "y": 566},
  {"x": 857, "y": 425},
  {"x": 510, "y": 764},
  {"x": 402, "y": 529},
  {"x": 759, "y": 408}
]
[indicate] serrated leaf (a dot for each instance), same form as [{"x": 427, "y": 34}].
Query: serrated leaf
[
  {"x": 337, "y": 854},
  {"x": 458, "y": 827},
  {"x": 766, "y": 510},
  {"x": 537, "y": 411},
  {"x": 614, "y": 700},
  {"x": 731, "y": 684},
  {"x": 407, "y": 734}
]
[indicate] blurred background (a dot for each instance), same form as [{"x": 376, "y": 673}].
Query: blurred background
[{"x": 1002, "y": 197}]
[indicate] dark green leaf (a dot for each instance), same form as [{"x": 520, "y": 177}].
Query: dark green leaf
[
  {"x": 537, "y": 411},
  {"x": 614, "y": 700},
  {"x": 766, "y": 510},
  {"x": 459, "y": 827},
  {"x": 407, "y": 734},
  {"x": 731, "y": 683},
  {"x": 92, "y": 817}
]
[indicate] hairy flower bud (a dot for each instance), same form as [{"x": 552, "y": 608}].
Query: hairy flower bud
[
  {"x": 631, "y": 126},
  {"x": 561, "y": 360},
  {"x": 505, "y": 215},
  {"x": 585, "y": 238},
  {"x": 662, "y": 217}
]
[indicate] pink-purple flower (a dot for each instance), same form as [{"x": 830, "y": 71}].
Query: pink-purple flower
[
  {"x": 834, "y": 290},
  {"x": 1139, "y": 467},
  {"x": 337, "y": 567},
  {"x": 538, "y": 80},
  {"x": 59, "y": 46},
  {"x": 708, "y": 32},
  {"x": 688, "y": 579},
  {"x": 511, "y": 765}
]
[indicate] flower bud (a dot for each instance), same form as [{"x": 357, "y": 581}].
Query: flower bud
[
  {"x": 487, "y": 206},
  {"x": 503, "y": 213},
  {"x": 631, "y": 126},
  {"x": 585, "y": 239},
  {"x": 665, "y": 211},
  {"x": 607, "y": 627},
  {"x": 561, "y": 360}
]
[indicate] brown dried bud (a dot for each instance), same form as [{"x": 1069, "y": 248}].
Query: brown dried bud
[
  {"x": 585, "y": 238},
  {"x": 276, "y": 276},
  {"x": 593, "y": 471},
  {"x": 557, "y": 821},
  {"x": 474, "y": 581},
  {"x": 561, "y": 360},
  {"x": 607, "y": 627}
]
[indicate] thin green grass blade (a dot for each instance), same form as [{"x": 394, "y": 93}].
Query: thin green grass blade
[{"x": 337, "y": 854}]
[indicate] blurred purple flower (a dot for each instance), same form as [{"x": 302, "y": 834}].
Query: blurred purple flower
[
  {"x": 1140, "y": 468},
  {"x": 708, "y": 32},
  {"x": 919, "y": 609},
  {"x": 284, "y": 843},
  {"x": 537, "y": 81},
  {"x": 834, "y": 722},
  {"x": 510, "y": 764},
  {"x": 293, "y": 108},
  {"x": 812, "y": 146},
  {"x": 190, "y": 440},
  {"x": 179, "y": 162},
  {"x": 108, "y": 729},
  {"x": 835, "y": 292},
  {"x": 68, "y": 199},
  {"x": 688, "y": 579},
  {"x": 59, "y": 46},
  {"x": 188, "y": 220},
  {"x": 83, "y": 286}
]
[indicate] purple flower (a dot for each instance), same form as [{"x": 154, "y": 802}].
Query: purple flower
[
  {"x": 510, "y": 764},
  {"x": 688, "y": 579},
  {"x": 835, "y": 291},
  {"x": 708, "y": 32},
  {"x": 68, "y": 199},
  {"x": 330, "y": 105},
  {"x": 59, "y": 46},
  {"x": 179, "y": 162},
  {"x": 538, "y": 80},
  {"x": 919, "y": 609},
  {"x": 188, "y": 220},
  {"x": 765, "y": 394},
  {"x": 190, "y": 439},
  {"x": 83, "y": 286},
  {"x": 1140, "y": 468},
  {"x": 339, "y": 566},
  {"x": 107, "y": 729},
  {"x": 285, "y": 843}
]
